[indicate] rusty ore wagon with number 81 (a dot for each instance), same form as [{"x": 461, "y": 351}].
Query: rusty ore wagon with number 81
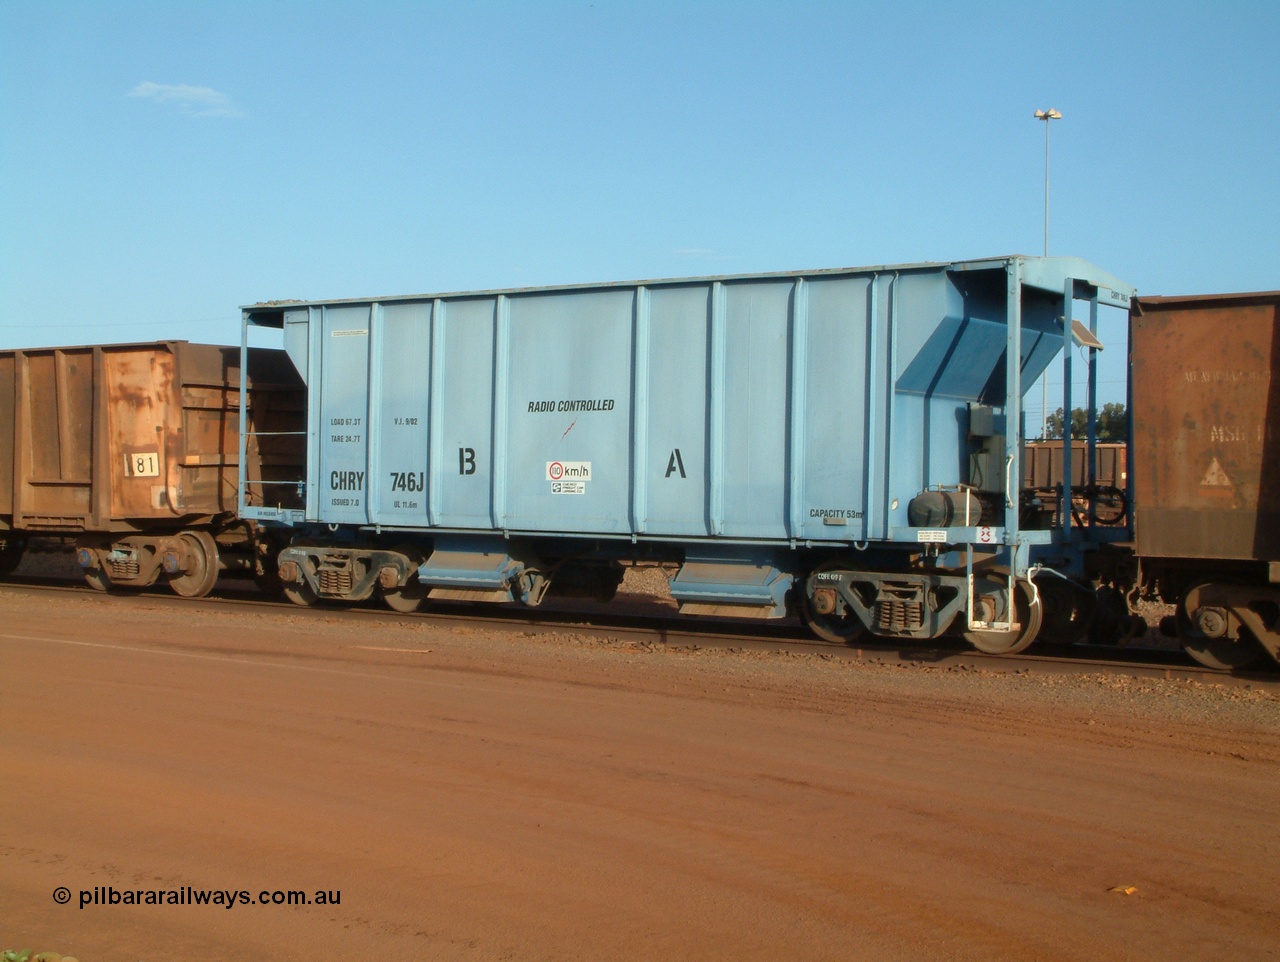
[{"x": 132, "y": 450}]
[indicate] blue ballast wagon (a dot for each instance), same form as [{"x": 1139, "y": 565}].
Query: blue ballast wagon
[{"x": 843, "y": 441}]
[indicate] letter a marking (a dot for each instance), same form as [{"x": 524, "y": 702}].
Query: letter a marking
[{"x": 676, "y": 463}]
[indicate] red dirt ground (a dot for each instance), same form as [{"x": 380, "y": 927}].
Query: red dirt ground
[{"x": 476, "y": 796}]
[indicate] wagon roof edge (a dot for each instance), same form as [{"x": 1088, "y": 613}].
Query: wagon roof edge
[
  {"x": 1046, "y": 266},
  {"x": 1240, "y": 298}
]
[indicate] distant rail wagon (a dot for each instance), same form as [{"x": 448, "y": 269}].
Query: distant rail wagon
[
  {"x": 1100, "y": 498},
  {"x": 133, "y": 450},
  {"x": 1042, "y": 465},
  {"x": 844, "y": 442}
]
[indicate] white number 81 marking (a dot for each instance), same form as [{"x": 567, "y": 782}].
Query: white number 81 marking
[{"x": 142, "y": 465}]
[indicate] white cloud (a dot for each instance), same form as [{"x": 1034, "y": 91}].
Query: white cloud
[{"x": 196, "y": 101}]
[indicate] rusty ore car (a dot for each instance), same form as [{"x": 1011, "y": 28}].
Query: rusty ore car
[
  {"x": 1205, "y": 468},
  {"x": 132, "y": 451}
]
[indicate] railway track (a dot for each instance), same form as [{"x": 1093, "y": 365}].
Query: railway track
[{"x": 648, "y": 625}]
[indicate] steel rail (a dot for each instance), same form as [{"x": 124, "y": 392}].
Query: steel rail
[{"x": 681, "y": 632}]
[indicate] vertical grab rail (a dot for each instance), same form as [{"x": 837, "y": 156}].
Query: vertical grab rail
[
  {"x": 242, "y": 470},
  {"x": 1012, "y": 450},
  {"x": 1068, "y": 472}
]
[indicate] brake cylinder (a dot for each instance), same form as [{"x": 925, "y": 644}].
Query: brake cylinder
[{"x": 944, "y": 509}]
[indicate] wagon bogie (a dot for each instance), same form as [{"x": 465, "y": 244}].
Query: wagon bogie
[
  {"x": 842, "y": 602},
  {"x": 443, "y": 569},
  {"x": 130, "y": 561},
  {"x": 1229, "y": 625},
  {"x": 345, "y": 572},
  {"x": 188, "y": 560}
]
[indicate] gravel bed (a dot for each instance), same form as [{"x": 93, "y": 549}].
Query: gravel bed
[{"x": 646, "y": 588}]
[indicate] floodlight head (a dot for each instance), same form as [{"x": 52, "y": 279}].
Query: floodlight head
[{"x": 1047, "y": 115}]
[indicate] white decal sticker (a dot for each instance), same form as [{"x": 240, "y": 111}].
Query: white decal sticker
[
  {"x": 568, "y": 470},
  {"x": 933, "y": 535},
  {"x": 142, "y": 465},
  {"x": 568, "y": 487},
  {"x": 1215, "y": 477}
]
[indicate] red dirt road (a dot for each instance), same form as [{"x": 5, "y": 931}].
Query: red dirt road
[{"x": 473, "y": 796}]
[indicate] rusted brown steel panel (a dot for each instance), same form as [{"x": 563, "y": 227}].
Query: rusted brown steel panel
[
  {"x": 142, "y": 439},
  {"x": 1206, "y": 424},
  {"x": 53, "y": 400},
  {"x": 125, "y": 437},
  {"x": 7, "y": 397}
]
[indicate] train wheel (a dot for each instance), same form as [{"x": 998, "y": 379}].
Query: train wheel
[
  {"x": 1066, "y": 610},
  {"x": 95, "y": 575},
  {"x": 1111, "y": 617},
  {"x": 407, "y": 598},
  {"x": 301, "y": 593},
  {"x": 11, "y": 550},
  {"x": 1028, "y": 612},
  {"x": 825, "y": 612},
  {"x": 1198, "y": 629},
  {"x": 98, "y": 580},
  {"x": 1109, "y": 506},
  {"x": 201, "y": 571}
]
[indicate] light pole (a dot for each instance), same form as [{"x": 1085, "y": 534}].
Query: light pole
[{"x": 1046, "y": 116}]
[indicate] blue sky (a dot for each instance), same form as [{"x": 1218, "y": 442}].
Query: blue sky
[{"x": 163, "y": 163}]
